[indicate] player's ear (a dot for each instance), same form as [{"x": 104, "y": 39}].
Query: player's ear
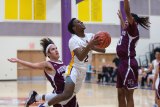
[
  {"x": 74, "y": 28},
  {"x": 48, "y": 54}
]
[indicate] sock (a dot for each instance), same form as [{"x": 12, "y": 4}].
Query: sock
[
  {"x": 46, "y": 104},
  {"x": 49, "y": 96},
  {"x": 38, "y": 97}
]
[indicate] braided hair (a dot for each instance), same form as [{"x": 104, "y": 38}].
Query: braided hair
[
  {"x": 44, "y": 43},
  {"x": 143, "y": 21}
]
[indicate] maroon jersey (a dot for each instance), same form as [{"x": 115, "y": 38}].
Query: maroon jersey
[
  {"x": 127, "y": 43},
  {"x": 57, "y": 80},
  {"x": 127, "y": 75}
]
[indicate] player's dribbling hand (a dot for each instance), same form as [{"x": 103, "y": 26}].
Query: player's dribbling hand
[{"x": 13, "y": 60}]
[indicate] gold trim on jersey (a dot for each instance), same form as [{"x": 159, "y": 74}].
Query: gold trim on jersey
[{"x": 70, "y": 66}]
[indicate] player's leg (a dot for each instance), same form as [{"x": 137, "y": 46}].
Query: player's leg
[
  {"x": 31, "y": 99},
  {"x": 157, "y": 103},
  {"x": 121, "y": 97},
  {"x": 34, "y": 97},
  {"x": 131, "y": 82},
  {"x": 157, "y": 97},
  {"x": 120, "y": 87},
  {"x": 129, "y": 97},
  {"x": 72, "y": 103}
]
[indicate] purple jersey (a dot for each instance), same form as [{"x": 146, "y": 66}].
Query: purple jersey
[
  {"x": 127, "y": 75},
  {"x": 57, "y": 80},
  {"x": 127, "y": 43}
]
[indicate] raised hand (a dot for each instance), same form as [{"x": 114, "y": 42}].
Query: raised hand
[
  {"x": 121, "y": 18},
  {"x": 119, "y": 14}
]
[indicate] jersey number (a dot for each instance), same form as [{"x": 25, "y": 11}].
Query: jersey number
[
  {"x": 120, "y": 40},
  {"x": 86, "y": 59}
]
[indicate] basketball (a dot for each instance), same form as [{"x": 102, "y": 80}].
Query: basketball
[{"x": 105, "y": 39}]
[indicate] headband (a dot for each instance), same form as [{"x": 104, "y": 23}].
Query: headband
[{"x": 48, "y": 48}]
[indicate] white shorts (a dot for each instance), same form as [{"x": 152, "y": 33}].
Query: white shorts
[{"x": 77, "y": 77}]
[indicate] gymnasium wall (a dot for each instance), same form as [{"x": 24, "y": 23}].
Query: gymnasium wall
[{"x": 9, "y": 44}]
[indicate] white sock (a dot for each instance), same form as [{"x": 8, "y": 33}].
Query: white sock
[
  {"x": 49, "y": 96},
  {"x": 46, "y": 104},
  {"x": 38, "y": 97}
]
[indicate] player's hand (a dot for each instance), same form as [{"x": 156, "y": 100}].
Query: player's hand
[
  {"x": 119, "y": 14},
  {"x": 13, "y": 60},
  {"x": 94, "y": 41}
]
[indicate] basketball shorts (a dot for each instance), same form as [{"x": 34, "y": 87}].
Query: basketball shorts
[
  {"x": 77, "y": 76},
  {"x": 127, "y": 75}
]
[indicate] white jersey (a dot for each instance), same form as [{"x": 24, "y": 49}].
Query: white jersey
[
  {"x": 77, "y": 69},
  {"x": 154, "y": 63}
]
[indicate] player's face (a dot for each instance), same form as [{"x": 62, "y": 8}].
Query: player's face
[
  {"x": 157, "y": 55},
  {"x": 78, "y": 25},
  {"x": 53, "y": 52}
]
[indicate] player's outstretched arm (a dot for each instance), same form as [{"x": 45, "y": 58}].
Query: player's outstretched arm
[
  {"x": 40, "y": 65},
  {"x": 121, "y": 19},
  {"x": 127, "y": 11}
]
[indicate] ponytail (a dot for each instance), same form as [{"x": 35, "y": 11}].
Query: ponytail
[{"x": 143, "y": 21}]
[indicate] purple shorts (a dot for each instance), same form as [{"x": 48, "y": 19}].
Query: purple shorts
[{"x": 127, "y": 75}]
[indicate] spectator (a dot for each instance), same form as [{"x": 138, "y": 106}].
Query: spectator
[
  {"x": 153, "y": 66},
  {"x": 116, "y": 62}
]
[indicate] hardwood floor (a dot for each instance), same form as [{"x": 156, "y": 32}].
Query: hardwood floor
[{"x": 14, "y": 93}]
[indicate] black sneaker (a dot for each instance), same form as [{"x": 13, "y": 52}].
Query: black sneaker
[{"x": 31, "y": 99}]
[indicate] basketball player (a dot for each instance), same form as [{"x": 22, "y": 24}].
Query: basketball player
[
  {"x": 156, "y": 84},
  {"x": 127, "y": 75},
  {"x": 53, "y": 69},
  {"x": 80, "y": 45}
]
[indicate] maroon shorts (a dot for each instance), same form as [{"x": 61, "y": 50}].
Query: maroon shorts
[{"x": 127, "y": 75}]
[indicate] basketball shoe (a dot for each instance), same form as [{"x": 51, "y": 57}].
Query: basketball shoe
[{"x": 31, "y": 99}]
